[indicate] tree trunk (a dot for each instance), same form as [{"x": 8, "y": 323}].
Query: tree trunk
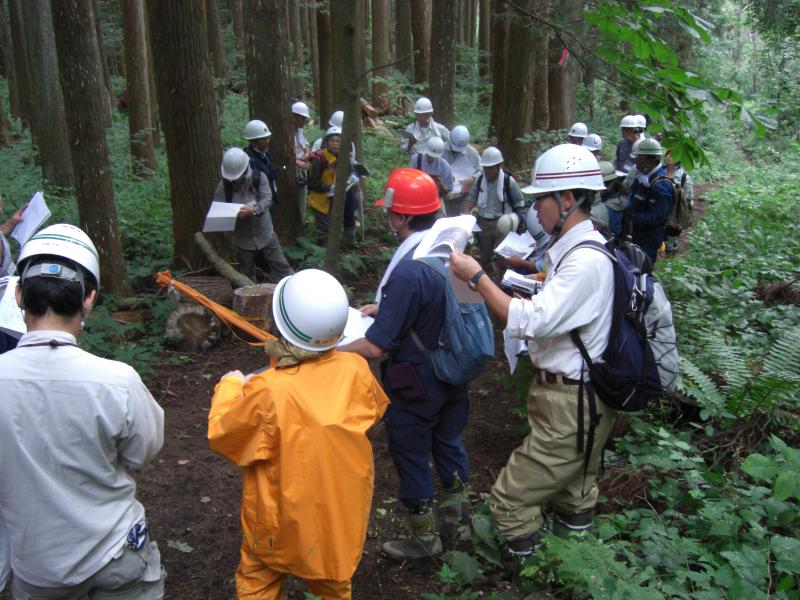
[
  {"x": 151, "y": 82},
  {"x": 10, "y": 69},
  {"x": 443, "y": 59},
  {"x": 472, "y": 15},
  {"x": 105, "y": 75},
  {"x": 361, "y": 47},
  {"x": 324, "y": 50},
  {"x": 484, "y": 37},
  {"x": 515, "y": 118},
  {"x": 313, "y": 47},
  {"x": 500, "y": 18},
  {"x": 217, "y": 53},
  {"x": 297, "y": 48},
  {"x": 541, "y": 94},
  {"x": 380, "y": 49},
  {"x": 179, "y": 39},
  {"x": 421, "y": 41},
  {"x": 268, "y": 73},
  {"x": 82, "y": 87},
  {"x": 344, "y": 29},
  {"x": 21, "y": 68},
  {"x": 405, "y": 41},
  {"x": 140, "y": 126},
  {"x": 564, "y": 72},
  {"x": 237, "y": 17},
  {"x": 305, "y": 28},
  {"x": 47, "y": 118}
]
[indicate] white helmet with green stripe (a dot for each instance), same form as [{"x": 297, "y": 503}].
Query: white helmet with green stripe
[
  {"x": 310, "y": 309},
  {"x": 66, "y": 241}
]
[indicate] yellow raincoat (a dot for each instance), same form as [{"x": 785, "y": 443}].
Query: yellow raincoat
[{"x": 300, "y": 435}]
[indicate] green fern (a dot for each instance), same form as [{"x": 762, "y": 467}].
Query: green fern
[
  {"x": 696, "y": 384},
  {"x": 783, "y": 358},
  {"x": 727, "y": 360}
]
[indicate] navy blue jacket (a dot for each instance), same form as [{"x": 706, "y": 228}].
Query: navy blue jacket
[
  {"x": 260, "y": 161},
  {"x": 649, "y": 210}
]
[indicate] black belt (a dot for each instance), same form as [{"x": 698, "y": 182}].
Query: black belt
[{"x": 553, "y": 379}]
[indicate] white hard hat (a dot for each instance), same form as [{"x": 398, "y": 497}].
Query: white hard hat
[
  {"x": 423, "y": 106},
  {"x": 565, "y": 167},
  {"x": 66, "y": 241},
  {"x": 255, "y": 130},
  {"x": 629, "y": 122},
  {"x": 310, "y": 309},
  {"x": 648, "y": 147},
  {"x": 535, "y": 228},
  {"x": 234, "y": 163},
  {"x": 593, "y": 142},
  {"x": 491, "y": 156},
  {"x": 507, "y": 223},
  {"x": 434, "y": 147},
  {"x": 301, "y": 108},
  {"x": 337, "y": 118},
  {"x": 578, "y": 130},
  {"x": 333, "y": 130},
  {"x": 641, "y": 121},
  {"x": 459, "y": 138},
  {"x": 635, "y": 147}
]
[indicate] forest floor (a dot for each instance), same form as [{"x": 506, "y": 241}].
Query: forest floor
[{"x": 192, "y": 496}]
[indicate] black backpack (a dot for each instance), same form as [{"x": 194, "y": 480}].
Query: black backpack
[{"x": 506, "y": 185}]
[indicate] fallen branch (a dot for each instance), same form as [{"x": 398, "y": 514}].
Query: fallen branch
[{"x": 222, "y": 266}]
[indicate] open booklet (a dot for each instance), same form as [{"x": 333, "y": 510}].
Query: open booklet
[
  {"x": 515, "y": 244},
  {"x": 520, "y": 283},
  {"x": 356, "y": 327},
  {"x": 446, "y": 235},
  {"x": 12, "y": 321}
]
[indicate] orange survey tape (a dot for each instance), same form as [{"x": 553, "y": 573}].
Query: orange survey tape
[{"x": 233, "y": 320}]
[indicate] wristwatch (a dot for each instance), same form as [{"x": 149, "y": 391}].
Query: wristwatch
[{"x": 473, "y": 281}]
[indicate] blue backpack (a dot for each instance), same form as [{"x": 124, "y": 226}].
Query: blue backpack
[{"x": 466, "y": 342}]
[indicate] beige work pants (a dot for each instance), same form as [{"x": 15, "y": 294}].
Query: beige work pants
[{"x": 547, "y": 470}]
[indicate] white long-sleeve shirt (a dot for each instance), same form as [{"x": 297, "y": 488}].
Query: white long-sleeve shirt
[
  {"x": 580, "y": 294},
  {"x": 70, "y": 423}
]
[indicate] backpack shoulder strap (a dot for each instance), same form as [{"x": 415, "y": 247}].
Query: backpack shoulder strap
[
  {"x": 419, "y": 161},
  {"x": 436, "y": 264},
  {"x": 600, "y": 247},
  {"x": 228, "y": 187},
  {"x": 683, "y": 179},
  {"x": 480, "y": 181}
]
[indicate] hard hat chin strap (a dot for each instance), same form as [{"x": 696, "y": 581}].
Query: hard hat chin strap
[{"x": 564, "y": 215}]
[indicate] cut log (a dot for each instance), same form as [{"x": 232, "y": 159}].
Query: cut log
[
  {"x": 255, "y": 301},
  {"x": 192, "y": 327},
  {"x": 214, "y": 288},
  {"x": 222, "y": 266}
]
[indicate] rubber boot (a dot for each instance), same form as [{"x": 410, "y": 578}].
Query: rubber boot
[
  {"x": 423, "y": 542},
  {"x": 454, "y": 516},
  {"x": 574, "y": 524}
]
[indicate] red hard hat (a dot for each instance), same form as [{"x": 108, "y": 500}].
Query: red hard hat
[{"x": 410, "y": 192}]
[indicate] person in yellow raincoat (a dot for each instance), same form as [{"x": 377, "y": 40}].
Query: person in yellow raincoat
[{"x": 298, "y": 430}]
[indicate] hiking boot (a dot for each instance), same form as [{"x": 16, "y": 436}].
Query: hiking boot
[
  {"x": 454, "y": 516},
  {"x": 575, "y": 524},
  {"x": 524, "y": 546},
  {"x": 423, "y": 542}
]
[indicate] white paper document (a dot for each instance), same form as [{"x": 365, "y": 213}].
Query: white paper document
[
  {"x": 356, "y": 327},
  {"x": 33, "y": 218},
  {"x": 514, "y": 348},
  {"x": 221, "y": 216},
  {"x": 11, "y": 316},
  {"x": 520, "y": 283},
  {"x": 515, "y": 244},
  {"x": 446, "y": 235}
]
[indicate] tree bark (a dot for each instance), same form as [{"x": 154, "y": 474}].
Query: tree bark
[
  {"x": 362, "y": 13},
  {"x": 324, "y": 50},
  {"x": 484, "y": 37},
  {"x": 380, "y": 49},
  {"x": 313, "y": 47},
  {"x": 421, "y": 41},
  {"x": 237, "y": 17},
  {"x": 404, "y": 40},
  {"x": 344, "y": 29},
  {"x": 297, "y": 49},
  {"x": 472, "y": 15},
  {"x": 564, "y": 72},
  {"x": 515, "y": 117},
  {"x": 541, "y": 87},
  {"x": 443, "y": 59},
  {"x": 140, "y": 126},
  {"x": 10, "y": 69},
  {"x": 217, "y": 53},
  {"x": 151, "y": 82},
  {"x": 21, "y": 61},
  {"x": 47, "y": 118},
  {"x": 305, "y": 28},
  {"x": 82, "y": 87},
  {"x": 186, "y": 100},
  {"x": 268, "y": 74},
  {"x": 105, "y": 75},
  {"x": 500, "y": 18}
]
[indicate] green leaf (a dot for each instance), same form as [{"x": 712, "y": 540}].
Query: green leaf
[
  {"x": 786, "y": 551},
  {"x": 787, "y": 485},
  {"x": 180, "y": 546},
  {"x": 761, "y": 467},
  {"x": 465, "y": 567}
]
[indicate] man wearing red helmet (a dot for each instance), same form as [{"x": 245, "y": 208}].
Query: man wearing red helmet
[{"x": 426, "y": 415}]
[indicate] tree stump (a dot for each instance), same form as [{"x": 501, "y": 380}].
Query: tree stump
[
  {"x": 214, "y": 288},
  {"x": 192, "y": 327},
  {"x": 255, "y": 301}
]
